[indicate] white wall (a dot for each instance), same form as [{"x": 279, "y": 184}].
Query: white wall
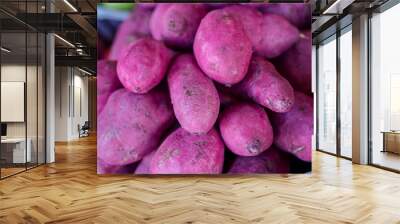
[{"x": 70, "y": 83}]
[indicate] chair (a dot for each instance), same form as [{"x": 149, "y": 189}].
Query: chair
[{"x": 84, "y": 130}]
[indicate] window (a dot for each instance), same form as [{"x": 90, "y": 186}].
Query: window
[
  {"x": 327, "y": 96},
  {"x": 385, "y": 89},
  {"x": 346, "y": 92}
]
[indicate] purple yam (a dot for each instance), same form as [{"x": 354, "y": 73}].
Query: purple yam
[
  {"x": 212, "y": 6},
  {"x": 107, "y": 82},
  {"x": 177, "y": 24},
  {"x": 295, "y": 64},
  {"x": 144, "y": 165},
  {"x": 135, "y": 27},
  {"x": 131, "y": 125},
  {"x": 245, "y": 129},
  {"x": 186, "y": 153},
  {"x": 143, "y": 65},
  {"x": 293, "y": 130},
  {"x": 156, "y": 20},
  {"x": 194, "y": 97},
  {"x": 222, "y": 48},
  {"x": 266, "y": 86},
  {"x": 270, "y": 161},
  {"x": 251, "y": 19},
  {"x": 278, "y": 35},
  {"x": 146, "y": 5},
  {"x": 299, "y": 14},
  {"x": 105, "y": 168}
]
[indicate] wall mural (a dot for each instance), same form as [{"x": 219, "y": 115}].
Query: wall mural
[{"x": 204, "y": 88}]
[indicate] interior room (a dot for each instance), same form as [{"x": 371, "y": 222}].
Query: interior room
[
  {"x": 22, "y": 100},
  {"x": 49, "y": 114},
  {"x": 385, "y": 123}
]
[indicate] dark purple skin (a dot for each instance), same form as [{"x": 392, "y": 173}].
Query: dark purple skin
[
  {"x": 104, "y": 168},
  {"x": 222, "y": 48},
  {"x": 193, "y": 95},
  {"x": 186, "y": 153},
  {"x": 146, "y": 5},
  {"x": 299, "y": 14},
  {"x": 212, "y": 6},
  {"x": 278, "y": 35},
  {"x": 131, "y": 125},
  {"x": 100, "y": 49},
  {"x": 156, "y": 21},
  {"x": 270, "y": 161},
  {"x": 107, "y": 82},
  {"x": 144, "y": 165},
  {"x": 293, "y": 130},
  {"x": 143, "y": 64},
  {"x": 295, "y": 64},
  {"x": 135, "y": 27},
  {"x": 245, "y": 129},
  {"x": 266, "y": 86},
  {"x": 226, "y": 96},
  {"x": 178, "y": 23},
  {"x": 251, "y": 19}
]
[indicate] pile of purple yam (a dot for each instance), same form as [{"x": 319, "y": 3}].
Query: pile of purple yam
[{"x": 207, "y": 89}]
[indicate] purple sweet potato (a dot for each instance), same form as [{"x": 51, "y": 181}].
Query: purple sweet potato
[
  {"x": 156, "y": 22},
  {"x": 107, "y": 82},
  {"x": 270, "y": 161},
  {"x": 104, "y": 168},
  {"x": 278, "y": 35},
  {"x": 143, "y": 65},
  {"x": 216, "y": 5},
  {"x": 251, "y": 19},
  {"x": 177, "y": 23},
  {"x": 245, "y": 129},
  {"x": 222, "y": 48},
  {"x": 144, "y": 165},
  {"x": 131, "y": 125},
  {"x": 132, "y": 29},
  {"x": 186, "y": 153},
  {"x": 299, "y": 14},
  {"x": 266, "y": 86},
  {"x": 295, "y": 64},
  {"x": 146, "y": 5},
  {"x": 293, "y": 130},
  {"x": 194, "y": 97}
]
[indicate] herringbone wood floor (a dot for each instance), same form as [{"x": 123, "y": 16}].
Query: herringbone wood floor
[{"x": 69, "y": 191}]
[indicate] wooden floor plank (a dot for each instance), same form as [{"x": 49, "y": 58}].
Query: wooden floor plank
[{"x": 70, "y": 191}]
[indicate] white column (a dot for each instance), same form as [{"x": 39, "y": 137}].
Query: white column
[
  {"x": 360, "y": 90},
  {"x": 50, "y": 98}
]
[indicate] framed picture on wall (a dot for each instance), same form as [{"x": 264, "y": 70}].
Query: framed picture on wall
[{"x": 204, "y": 88}]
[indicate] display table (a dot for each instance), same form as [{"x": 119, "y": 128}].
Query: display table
[
  {"x": 391, "y": 141},
  {"x": 13, "y": 150}
]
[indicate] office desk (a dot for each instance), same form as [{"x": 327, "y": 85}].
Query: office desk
[
  {"x": 15, "y": 148},
  {"x": 391, "y": 141}
]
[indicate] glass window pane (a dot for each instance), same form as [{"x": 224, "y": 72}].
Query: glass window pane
[
  {"x": 327, "y": 96},
  {"x": 385, "y": 78},
  {"x": 346, "y": 94},
  {"x": 13, "y": 87},
  {"x": 31, "y": 97}
]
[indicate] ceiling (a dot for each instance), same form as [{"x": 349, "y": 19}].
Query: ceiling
[{"x": 72, "y": 20}]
